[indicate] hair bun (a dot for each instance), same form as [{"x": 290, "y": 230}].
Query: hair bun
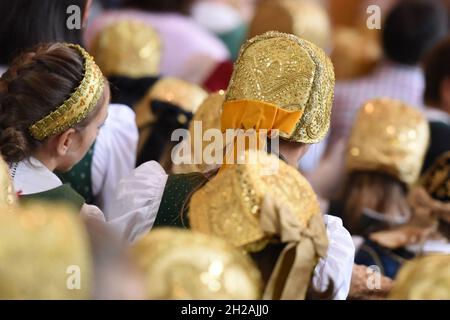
[{"x": 13, "y": 143}]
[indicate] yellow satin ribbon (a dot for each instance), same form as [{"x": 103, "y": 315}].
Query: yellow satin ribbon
[
  {"x": 256, "y": 115},
  {"x": 252, "y": 114}
]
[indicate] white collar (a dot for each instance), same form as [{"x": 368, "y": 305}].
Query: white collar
[
  {"x": 437, "y": 115},
  {"x": 32, "y": 176}
]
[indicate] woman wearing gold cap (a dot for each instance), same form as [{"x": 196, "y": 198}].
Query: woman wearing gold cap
[
  {"x": 53, "y": 101},
  {"x": 25, "y": 24},
  {"x": 428, "y": 231},
  {"x": 424, "y": 278},
  {"x": 48, "y": 252},
  {"x": 384, "y": 157},
  {"x": 129, "y": 54},
  {"x": 189, "y": 52},
  {"x": 280, "y": 83},
  {"x": 180, "y": 264}
]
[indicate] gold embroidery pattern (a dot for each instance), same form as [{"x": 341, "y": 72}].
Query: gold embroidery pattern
[
  {"x": 229, "y": 205},
  {"x": 388, "y": 136},
  {"x": 290, "y": 73},
  {"x": 128, "y": 48},
  {"x": 437, "y": 179},
  {"x": 78, "y": 106},
  {"x": 180, "y": 264}
]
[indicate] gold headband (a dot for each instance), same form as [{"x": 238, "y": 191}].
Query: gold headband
[{"x": 78, "y": 106}]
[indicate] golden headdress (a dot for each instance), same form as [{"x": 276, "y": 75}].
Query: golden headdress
[
  {"x": 128, "y": 48},
  {"x": 208, "y": 114},
  {"x": 268, "y": 201},
  {"x": 179, "y": 264},
  {"x": 388, "y": 136},
  {"x": 44, "y": 254},
  {"x": 77, "y": 107},
  {"x": 304, "y": 18},
  {"x": 7, "y": 194},
  {"x": 425, "y": 278},
  {"x": 185, "y": 95},
  {"x": 354, "y": 53},
  {"x": 281, "y": 82}
]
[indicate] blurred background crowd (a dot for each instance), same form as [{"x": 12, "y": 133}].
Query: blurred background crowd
[{"x": 374, "y": 161}]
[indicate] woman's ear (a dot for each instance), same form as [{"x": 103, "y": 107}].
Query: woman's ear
[{"x": 64, "y": 141}]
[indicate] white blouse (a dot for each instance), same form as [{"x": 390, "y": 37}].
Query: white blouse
[
  {"x": 114, "y": 154},
  {"x": 134, "y": 209},
  {"x": 137, "y": 202},
  {"x": 31, "y": 176}
]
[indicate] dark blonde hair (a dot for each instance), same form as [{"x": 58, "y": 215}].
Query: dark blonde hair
[{"x": 372, "y": 190}]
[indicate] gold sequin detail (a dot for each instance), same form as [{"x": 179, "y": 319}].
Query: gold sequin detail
[
  {"x": 180, "y": 264},
  {"x": 7, "y": 194},
  {"x": 436, "y": 180},
  {"x": 229, "y": 205},
  {"x": 290, "y": 73},
  {"x": 128, "y": 48},
  {"x": 388, "y": 136},
  {"x": 425, "y": 278},
  {"x": 41, "y": 247},
  {"x": 185, "y": 95},
  {"x": 78, "y": 106}
]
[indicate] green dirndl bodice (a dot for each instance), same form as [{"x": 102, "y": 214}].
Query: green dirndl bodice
[
  {"x": 80, "y": 177},
  {"x": 63, "y": 194},
  {"x": 173, "y": 210}
]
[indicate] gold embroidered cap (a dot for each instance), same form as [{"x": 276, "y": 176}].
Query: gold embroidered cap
[
  {"x": 128, "y": 48},
  {"x": 263, "y": 202},
  {"x": 7, "y": 194},
  {"x": 291, "y": 74},
  {"x": 390, "y": 137},
  {"x": 44, "y": 254},
  {"x": 425, "y": 278},
  {"x": 304, "y": 18},
  {"x": 354, "y": 53},
  {"x": 185, "y": 95},
  {"x": 229, "y": 205},
  {"x": 179, "y": 264},
  {"x": 208, "y": 115},
  {"x": 77, "y": 107}
]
